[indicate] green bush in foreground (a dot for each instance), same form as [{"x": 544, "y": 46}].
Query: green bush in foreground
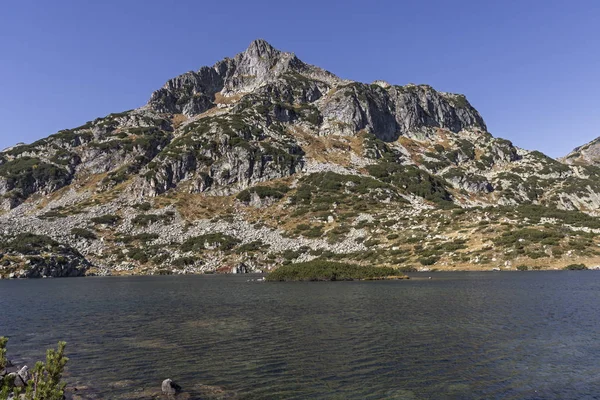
[
  {"x": 575, "y": 267},
  {"x": 45, "y": 382},
  {"x": 320, "y": 270},
  {"x": 522, "y": 268}
]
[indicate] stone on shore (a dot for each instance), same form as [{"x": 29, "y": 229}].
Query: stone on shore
[{"x": 170, "y": 387}]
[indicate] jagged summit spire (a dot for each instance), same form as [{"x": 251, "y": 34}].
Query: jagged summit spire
[
  {"x": 261, "y": 48},
  {"x": 261, "y": 52}
]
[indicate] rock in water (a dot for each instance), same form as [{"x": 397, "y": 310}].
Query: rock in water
[{"x": 170, "y": 387}]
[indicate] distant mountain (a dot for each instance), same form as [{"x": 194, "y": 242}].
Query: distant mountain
[
  {"x": 263, "y": 159},
  {"x": 588, "y": 154}
]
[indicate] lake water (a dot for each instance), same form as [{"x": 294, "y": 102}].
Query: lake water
[{"x": 509, "y": 335}]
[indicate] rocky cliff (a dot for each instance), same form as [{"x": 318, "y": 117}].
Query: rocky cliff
[
  {"x": 588, "y": 154},
  {"x": 263, "y": 159}
]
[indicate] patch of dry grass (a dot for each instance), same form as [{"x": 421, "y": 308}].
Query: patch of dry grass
[
  {"x": 194, "y": 206},
  {"x": 332, "y": 149},
  {"x": 178, "y": 119},
  {"x": 220, "y": 99}
]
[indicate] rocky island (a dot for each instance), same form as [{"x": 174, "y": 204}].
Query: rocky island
[{"x": 263, "y": 160}]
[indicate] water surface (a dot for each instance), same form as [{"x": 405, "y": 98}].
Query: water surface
[{"x": 528, "y": 335}]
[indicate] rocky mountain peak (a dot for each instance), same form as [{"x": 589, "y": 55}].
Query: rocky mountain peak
[
  {"x": 193, "y": 92},
  {"x": 260, "y": 48},
  {"x": 258, "y": 64}
]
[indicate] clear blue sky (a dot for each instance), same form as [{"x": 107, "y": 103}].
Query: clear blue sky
[{"x": 529, "y": 66}]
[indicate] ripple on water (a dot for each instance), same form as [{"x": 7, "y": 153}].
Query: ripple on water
[{"x": 459, "y": 336}]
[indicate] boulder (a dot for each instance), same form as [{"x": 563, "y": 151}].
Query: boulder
[
  {"x": 19, "y": 378},
  {"x": 22, "y": 376},
  {"x": 241, "y": 268},
  {"x": 170, "y": 387}
]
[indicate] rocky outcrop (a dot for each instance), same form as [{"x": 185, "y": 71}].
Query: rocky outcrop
[
  {"x": 588, "y": 154},
  {"x": 395, "y": 111},
  {"x": 194, "y": 92},
  {"x": 28, "y": 255},
  {"x": 470, "y": 182}
]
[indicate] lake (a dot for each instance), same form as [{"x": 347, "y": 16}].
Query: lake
[{"x": 477, "y": 335}]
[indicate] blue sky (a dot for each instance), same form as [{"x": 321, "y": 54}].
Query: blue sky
[{"x": 530, "y": 67}]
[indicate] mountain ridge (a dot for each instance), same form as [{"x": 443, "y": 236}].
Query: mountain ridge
[{"x": 262, "y": 157}]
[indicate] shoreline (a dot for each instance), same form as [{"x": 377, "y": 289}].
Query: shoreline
[{"x": 433, "y": 271}]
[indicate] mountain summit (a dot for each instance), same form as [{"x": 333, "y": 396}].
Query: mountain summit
[
  {"x": 193, "y": 92},
  {"x": 263, "y": 159}
]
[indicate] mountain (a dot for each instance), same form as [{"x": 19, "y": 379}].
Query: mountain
[
  {"x": 588, "y": 154},
  {"x": 263, "y": 160}
]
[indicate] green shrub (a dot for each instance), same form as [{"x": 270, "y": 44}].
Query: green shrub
[
  {"x": 184, "y": 261},
  {"x": 142, "y": 237},
  {"x": 244, "y": 196},
  {"x": 139, "y": 255},
  {"x": 429, "y": 260},
  {"x": 164, "y": 272},
  {"x": 535, "y": 212},
  {"x": 320, "y": 270},
  {"x": 148, "y": 219},
  {"x": 314, "y": 232},
  {"x": 325, "y": 188},
  {"x": 83, "y": 233},
  {"x": 412, "y": 180},
  {"x": 145, "y": 206},
  {"x": 58, "y": 212},
  {"x": 291, "y": 254},
  {"x": 372, "y": 242},
  {"x": 3, "y": 359},
  {"x": 575, "y": 267},
  {"x": 522, "y": 268},
  {"x": 200, "y": 243},
  {"x": 536, "y": 254},
  {"x": 527, "y": 235},
  {"x": 274, "y": 192},
  {"x": 107, "y": 219},
  {"x": 30, "y": 244},
  {"x": 159, "y": 259},
  {"x": 23, "y": 172},
  {"x": 252, "y": 246},
  {"x": 45, "y": 382},
  {"x": 407, "y": 268}
]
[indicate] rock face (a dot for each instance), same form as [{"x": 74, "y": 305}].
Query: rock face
[
  {"x": 269, "y": 159},
  {"x": 261, "y": 93},
  {"x": 395, "y": 111},
  {"x": 588, "y": 154},
  {"x": 194, "y": 92},
  {"x": 34, "y": 256},
  {"x": 22, "y": 376}
]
